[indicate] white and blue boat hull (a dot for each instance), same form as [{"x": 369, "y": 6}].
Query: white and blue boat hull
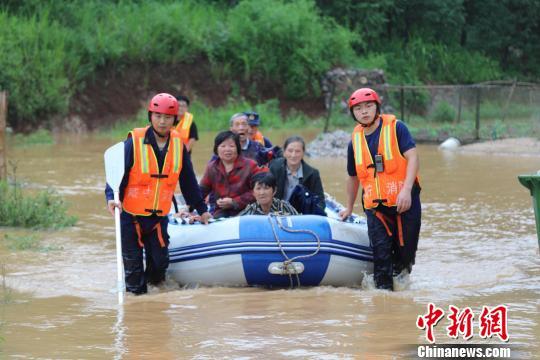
[{"x": 244, "y": 251}]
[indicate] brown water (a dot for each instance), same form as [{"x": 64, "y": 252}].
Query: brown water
[{"x": 478, "y": 247}]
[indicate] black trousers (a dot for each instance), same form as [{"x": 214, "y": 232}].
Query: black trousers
[
  {"x": 149, "y": 234},
  {"x": 389, "y": 256}
]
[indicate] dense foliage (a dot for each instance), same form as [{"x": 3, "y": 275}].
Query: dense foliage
[
  {"x": 51, "y": 48},
  {"x": 506, "y": 31}
]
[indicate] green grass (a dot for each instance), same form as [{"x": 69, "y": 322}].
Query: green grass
[
  {"x": 39, "y": 137},
  {"x": 521, "y": 120},
  {"x": 498, "y": 118},
  {"x": 490, "y": 129},
  {"x": 496, "y": 110},
  {"x": 29, "y": 242},
  {"x": 42, "y": 210},
  {"x": 216, "y": 119}
]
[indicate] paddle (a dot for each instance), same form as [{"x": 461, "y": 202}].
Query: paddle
[{"x": 114, "y": 172}]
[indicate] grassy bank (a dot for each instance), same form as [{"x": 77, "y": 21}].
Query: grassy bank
[
  {"x": 441, "y": 122},
  {"x": 36, "y": 138},
  {"x": 217, "y": 119}
]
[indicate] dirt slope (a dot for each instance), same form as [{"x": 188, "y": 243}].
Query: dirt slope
[{"x": 116, "y": 93}]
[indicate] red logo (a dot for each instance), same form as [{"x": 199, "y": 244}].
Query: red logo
[
  {"x": 430, "y": 320},
  {"x": 492, "y": 321},
  {"x": 461, "y": 322}
]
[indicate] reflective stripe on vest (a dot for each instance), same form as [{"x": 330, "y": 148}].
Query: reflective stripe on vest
[
  {"x": 184, "y": 126},
  {"x": 384, "y": 187},
  {"x": 148, "y": 191},
  {"x": 258, "y": 136}
]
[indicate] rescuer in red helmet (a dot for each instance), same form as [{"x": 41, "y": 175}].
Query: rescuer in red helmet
[
  {"x": 155, "y": 160},
  {"x": 382, "y": 157}
]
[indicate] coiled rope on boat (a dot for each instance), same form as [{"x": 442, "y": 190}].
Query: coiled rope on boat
[{"x": 291, "y": 270}]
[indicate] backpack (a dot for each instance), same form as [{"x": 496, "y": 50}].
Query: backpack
[{"x": 305, "y": 202}]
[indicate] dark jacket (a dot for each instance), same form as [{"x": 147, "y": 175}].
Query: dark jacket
[{"x": 310, "y": 179}]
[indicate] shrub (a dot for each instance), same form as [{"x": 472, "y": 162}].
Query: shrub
[
  {"x": 444, "y": 112},
  {"x": 427, "y": 62},
  {"x": 45, "y": 209},
  {"x": 416, "y": 101},
  {"x": 285, "y": 42},
  {"x": 119, "y": 33},
  {"x": 33, "y": 68}
]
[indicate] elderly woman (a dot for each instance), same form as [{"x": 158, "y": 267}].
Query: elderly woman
[
  {"x": 227, "y": 178},
  {"x": 292, "y": 170},
  {"x": 264, "y": 189}
]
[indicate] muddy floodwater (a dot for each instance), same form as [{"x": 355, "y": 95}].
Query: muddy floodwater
[{"x": 478, "y": 247}]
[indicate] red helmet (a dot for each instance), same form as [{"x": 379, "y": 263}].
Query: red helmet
[
  {"x": 363, "y": 95},
  {"x": 164, "y": 104}
]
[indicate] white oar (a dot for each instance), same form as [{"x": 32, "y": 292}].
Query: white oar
[{"x": 114, "y": 172}]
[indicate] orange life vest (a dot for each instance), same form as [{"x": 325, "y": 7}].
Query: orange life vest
[
  {"x": 184, "y": 126},
  {"x": 149, "y": 191},
  {"x": 258, "y": 136},
  {"x": 380, "y": 187}
]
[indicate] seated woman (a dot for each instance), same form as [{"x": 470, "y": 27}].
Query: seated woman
[
  {"x": 264, "y": 188},
  {"x": 227, "y": 178},
  {"x": 292, "y": 170}
]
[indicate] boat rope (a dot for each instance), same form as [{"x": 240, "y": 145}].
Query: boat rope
[{"x": 291, "y": 270}]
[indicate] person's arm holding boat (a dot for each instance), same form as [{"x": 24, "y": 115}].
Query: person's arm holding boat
[{"x": 191, "y": 191}]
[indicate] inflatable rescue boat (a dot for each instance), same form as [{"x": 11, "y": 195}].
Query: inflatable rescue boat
[{"x": 271, "y": 251}]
